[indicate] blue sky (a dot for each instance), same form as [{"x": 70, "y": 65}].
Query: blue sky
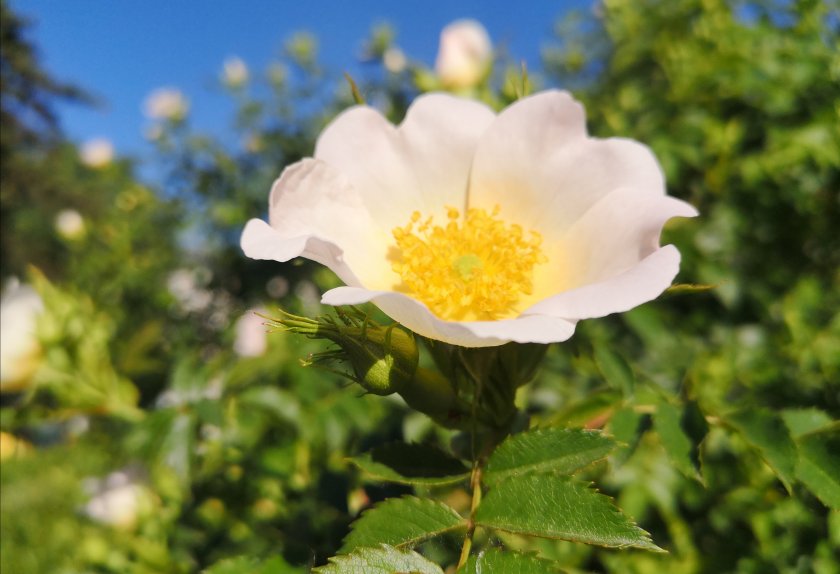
[{"x": 122, "y": 50}]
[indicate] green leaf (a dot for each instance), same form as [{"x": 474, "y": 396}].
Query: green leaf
[
  {"x": 497, "y": 561},
  {"x": 803, "y": 421},
  {"x": 562, "y": 451},
  {"x": 400, "y": 522},
  {"x": 681, "y": 288},
  {"x": 624, "y": 426},
  {"x": 250, "y": 565},
  {"x": 582, "y": 412},
  {"x": 383, "y": 560},
  {"x": 279, "y": 402},
  {"x": 766, "y": 431},
  {"x": 682, "y": 451},
  {"x": 548, "y": 506},
  {"x": 412, "y": 464},
  {"x": 819, "y": 464},
  {"x": 239, "y": 565},
  {"x": 615, "y": 370}
]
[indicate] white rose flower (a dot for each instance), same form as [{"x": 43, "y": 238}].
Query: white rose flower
[
  {"x": 20, "y": 350},
  {"x": 234, "y": 72},
  {"x": 70, "y": 224},
  {"x": 251, "y": 334},
  {"x": 474, "y": 228},
  {"x": 116, "y": 500},
  {"x": 464, "y": 54},
  {"x": 97, "y": 152},
  {"x": 166, "y": 104}
]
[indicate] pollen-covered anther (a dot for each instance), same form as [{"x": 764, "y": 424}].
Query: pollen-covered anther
[{"x": 476, "y": 268}]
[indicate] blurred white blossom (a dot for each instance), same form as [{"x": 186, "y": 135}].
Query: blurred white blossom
[
  {"x": 116, "y": 500},
  {"x": 20, "y": 350},
  {"x": 464, "y": 54},
  {"x": 166, "y": 104},
  {"x": 70, "y": 224},
  {"x": 234, "y": 72},
  {"x": 251, "y": 334},
  {"x": 187, "y": 289},
  {"x": 97, "y": 152},
  {"x": 394, "y": 60}
]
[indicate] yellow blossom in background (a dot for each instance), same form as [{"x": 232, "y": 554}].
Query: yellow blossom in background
[
  {"x": 474, "y": 228},
  {"x": 12, "y": 447}
]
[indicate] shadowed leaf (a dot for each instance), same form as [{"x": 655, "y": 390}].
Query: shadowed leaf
[{"x": 412, "y": 464}]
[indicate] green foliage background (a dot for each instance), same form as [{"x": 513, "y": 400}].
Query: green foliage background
[{"x": 725, "y": 400}]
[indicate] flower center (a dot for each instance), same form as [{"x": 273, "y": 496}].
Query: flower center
[{"x": 474, "y": 269}]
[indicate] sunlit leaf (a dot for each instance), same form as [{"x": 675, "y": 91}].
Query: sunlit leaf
[
  {"x": 401, "y": 522},
  {"x": 548, "y": 506},
  {"x": 563, "y": 451},
  {"x": 803, "y": 421},
  {"x": 382, "y": 560},
  {"x": 767, "y": 432},
  {"x": 497, "y": 561},
  {"x": 819, "y": 464}
]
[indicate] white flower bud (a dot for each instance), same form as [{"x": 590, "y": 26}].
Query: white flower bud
[{"x": 464, "y": 54}]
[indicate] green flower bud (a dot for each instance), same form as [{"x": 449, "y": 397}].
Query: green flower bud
[
  {"x": 383, "y": 359},
  {"x": 430, "y": 393}
]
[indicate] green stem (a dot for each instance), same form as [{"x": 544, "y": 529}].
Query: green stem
[{"x": 475, "y": 485}]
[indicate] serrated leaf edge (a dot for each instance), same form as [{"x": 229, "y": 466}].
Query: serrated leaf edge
[
  {"x": 496, "y": 477},
  {"x": 339, "y": 558},
  {"x": 651, "y": 546},
  {"x": 411, "y": 499}
]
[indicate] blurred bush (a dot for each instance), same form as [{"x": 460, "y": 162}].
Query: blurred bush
[{"x": 160, "y": 431}]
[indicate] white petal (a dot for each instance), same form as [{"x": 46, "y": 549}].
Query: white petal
[
  {"x": 417, "y": 317},
  {"x": 261, "y": 241},
  {"x": 422, "y": 165},
  {"x": 617, "y": 232},
  {"x": 537, "y": 163},
  {"x": 639, "y": 284},
  {"x": 313, "y": 198}
]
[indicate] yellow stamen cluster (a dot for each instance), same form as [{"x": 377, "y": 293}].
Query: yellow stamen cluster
[{"x": 475, "y": 269}]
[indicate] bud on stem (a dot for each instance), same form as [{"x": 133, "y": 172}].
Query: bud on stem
[{"x": 383, "y": 359}]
